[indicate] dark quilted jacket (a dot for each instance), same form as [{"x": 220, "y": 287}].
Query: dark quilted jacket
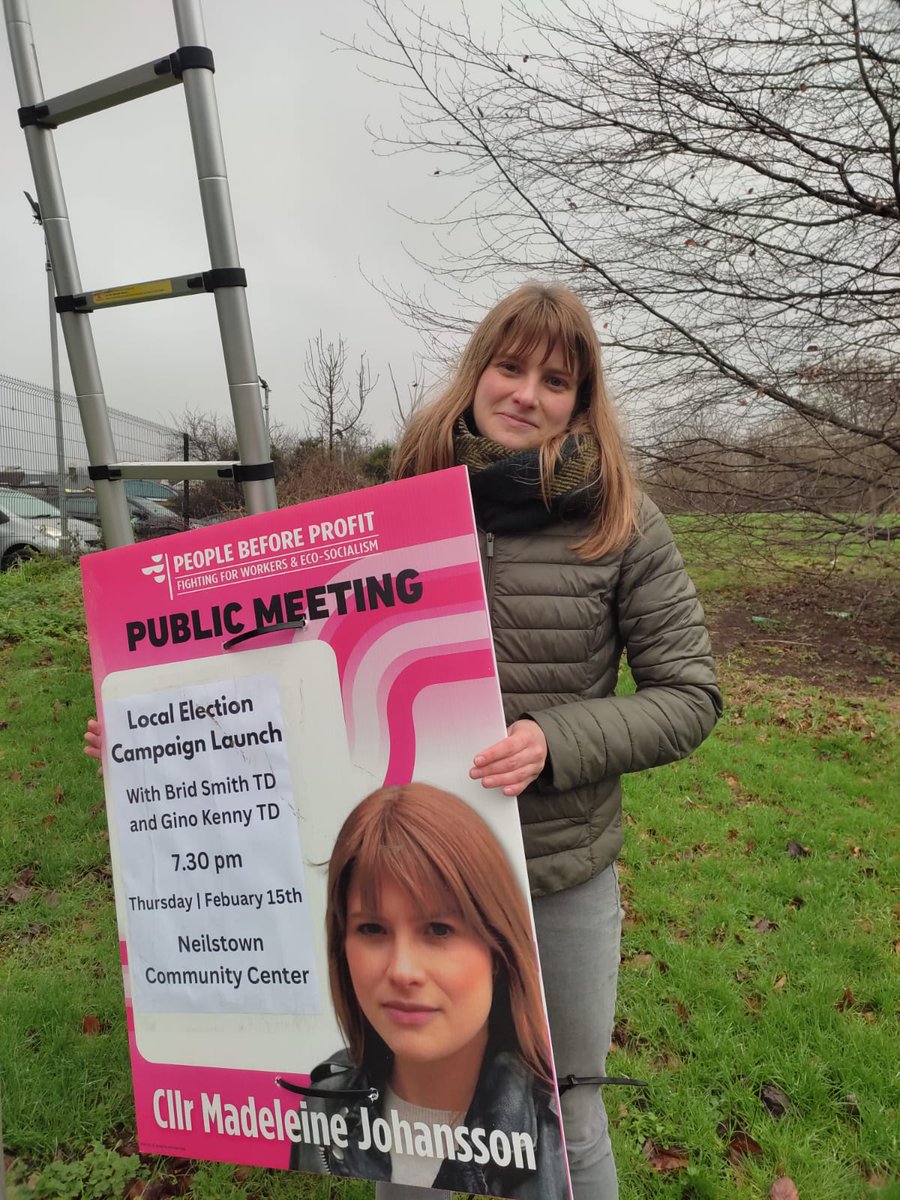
[
  {"x": 560, "y": 625},
  {"x": 507, "y": 1098}
]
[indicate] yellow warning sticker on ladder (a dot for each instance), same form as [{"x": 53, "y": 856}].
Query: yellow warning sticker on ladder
[{"x": 133, "y": 291}]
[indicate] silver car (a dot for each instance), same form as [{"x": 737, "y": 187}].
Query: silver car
[{"x": 29, "y": 525}]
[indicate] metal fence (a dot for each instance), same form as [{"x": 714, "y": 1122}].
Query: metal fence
[{"x": 33, "y": 445}]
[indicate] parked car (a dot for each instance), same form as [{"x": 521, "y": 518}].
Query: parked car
[
  {"x": 154, "y": 489},
  {"x": 148, "y": 518},
  {"x": 31, "y": 524}
]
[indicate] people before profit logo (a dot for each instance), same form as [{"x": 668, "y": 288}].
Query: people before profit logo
[{"x": 157, "y": 569}]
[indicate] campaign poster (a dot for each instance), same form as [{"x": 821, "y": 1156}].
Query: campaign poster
[{"x": 324, "y": 924}]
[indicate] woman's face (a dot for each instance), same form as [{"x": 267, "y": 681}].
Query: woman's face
[
  {"x": 422, "y": 978},
  {"x": 521, "y": 401}
]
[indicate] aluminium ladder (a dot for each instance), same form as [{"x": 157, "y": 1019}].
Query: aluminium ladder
[{"x": 191, "y": 65}]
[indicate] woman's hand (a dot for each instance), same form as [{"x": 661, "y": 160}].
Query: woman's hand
[
  {"x": 513, "y": 763},
  {"x": 92, "y": 742}
]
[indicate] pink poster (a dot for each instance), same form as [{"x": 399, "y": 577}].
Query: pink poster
[{"x": 324, "y": 925}]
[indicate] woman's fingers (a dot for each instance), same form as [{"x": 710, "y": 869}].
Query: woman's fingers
[
  {"x": 514, "y": 762},
  {"x": 93, "y": 742}
]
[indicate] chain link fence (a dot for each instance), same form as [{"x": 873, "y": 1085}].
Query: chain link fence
[{"x": 34, "y": 445}]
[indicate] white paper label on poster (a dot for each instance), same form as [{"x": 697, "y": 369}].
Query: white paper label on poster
[{"x": 212, "y": 861}]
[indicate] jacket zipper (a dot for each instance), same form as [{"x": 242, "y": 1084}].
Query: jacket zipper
[{"x": 489, "y": 571}]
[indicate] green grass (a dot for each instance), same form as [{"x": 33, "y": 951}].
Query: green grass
[
  {"x": 743, "y": 965},
  {"x": 722, "y": 553}
]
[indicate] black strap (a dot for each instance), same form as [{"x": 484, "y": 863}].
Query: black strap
[
  {"x": 249, "y": 472},
  {"x": 102, "y": 471},
  {"x": 217, "y": 277},
  {"x": 185, "y": 58},
  {"x": 366, "y": 1095},
  {"x": 569, "y": 1081},
  {"x": 279, "y": 627}
]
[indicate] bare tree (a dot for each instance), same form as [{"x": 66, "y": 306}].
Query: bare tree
[
  {"x": 721, "y": 186},
  {"x": 336, "y": 401},
  {"x": 404, "y": 407}
]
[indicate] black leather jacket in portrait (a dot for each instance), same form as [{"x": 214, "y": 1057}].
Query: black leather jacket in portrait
[{"x": 507, "y": 1098}]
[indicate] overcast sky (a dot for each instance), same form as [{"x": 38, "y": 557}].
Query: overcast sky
[{"x": 314, "y": 205}]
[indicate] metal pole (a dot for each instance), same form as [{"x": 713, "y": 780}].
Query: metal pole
[
  {"x": 64, "y": 545},
  {"x": 231, "y": 302},
  {"x": 57, "y": 230},
  {"x": 266, "y": 389},
  {"x": 186, "y": 497}
]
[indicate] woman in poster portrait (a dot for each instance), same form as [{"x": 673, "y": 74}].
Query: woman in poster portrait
[{"x": 435, "y": 985}]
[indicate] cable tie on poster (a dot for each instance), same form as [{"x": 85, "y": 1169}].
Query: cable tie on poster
[
  {"x": 569, "y": 1081},
  {"x": 368, "y": 1095},
  {"x": 280, "y": 627}
]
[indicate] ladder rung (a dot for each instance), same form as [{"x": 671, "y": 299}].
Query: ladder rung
[
  {"x": 183, "y": 470},
  {"x": 117, "y": 89},
  {"x": 153, "y": 289}
]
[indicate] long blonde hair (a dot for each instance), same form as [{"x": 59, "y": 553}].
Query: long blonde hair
[{"x": 535, "y": 316}]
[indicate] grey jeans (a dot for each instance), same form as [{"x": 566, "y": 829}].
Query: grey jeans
[{"x": 578, "y": 936}]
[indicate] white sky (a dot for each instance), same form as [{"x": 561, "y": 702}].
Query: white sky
[{"x": 313, "y": 204}]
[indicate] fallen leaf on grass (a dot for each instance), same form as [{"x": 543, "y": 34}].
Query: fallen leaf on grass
[
  {"x": 16, "y": 893},
  {"x": 52, "y": 899},
  {"x": 796, "y": 902},
  {"x": 49, "y": 819},
  {"x": 90, "y": 1026},
  {"x": 784, "y": 1189},
  {"x": 779, "y": 983},
  {"x": 764, "y": 925},
  {"x": 795, "y": 850},
  {"x": 638, "y": 960},
  {"x": 664, "y": 1158},
  {"x": 136, "y": 1189},
  {"x": 851, "y": 1106},
  {"x": 741, "y": 1146},
  {"x": 775, "y": 1100},
  {"x": 159, "y": 1189},
  {"x": 846, "y": 1001},
  {"x": 682, "y": 1010}
]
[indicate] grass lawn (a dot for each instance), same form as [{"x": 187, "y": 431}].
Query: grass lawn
[{"x": 760, "y": 985}]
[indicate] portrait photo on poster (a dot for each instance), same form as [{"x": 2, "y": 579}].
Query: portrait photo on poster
[{"x": 445, "y": 1079}]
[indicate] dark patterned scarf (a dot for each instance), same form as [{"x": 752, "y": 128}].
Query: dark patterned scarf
[{"x": 506, "y": 484}]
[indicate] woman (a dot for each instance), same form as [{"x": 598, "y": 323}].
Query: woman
[
  {"x": 435, "y": 985},
  {"x": 577, "y": 567}
]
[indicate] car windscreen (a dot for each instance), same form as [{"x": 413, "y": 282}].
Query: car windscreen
[
  {"x": 22, "y": 505},
  {"x": 150, "y": 508},
  {"x": 144, "y": 489}
]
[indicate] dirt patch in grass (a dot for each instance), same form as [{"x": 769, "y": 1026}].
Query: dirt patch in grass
[{"x": 842, "y": 634}]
